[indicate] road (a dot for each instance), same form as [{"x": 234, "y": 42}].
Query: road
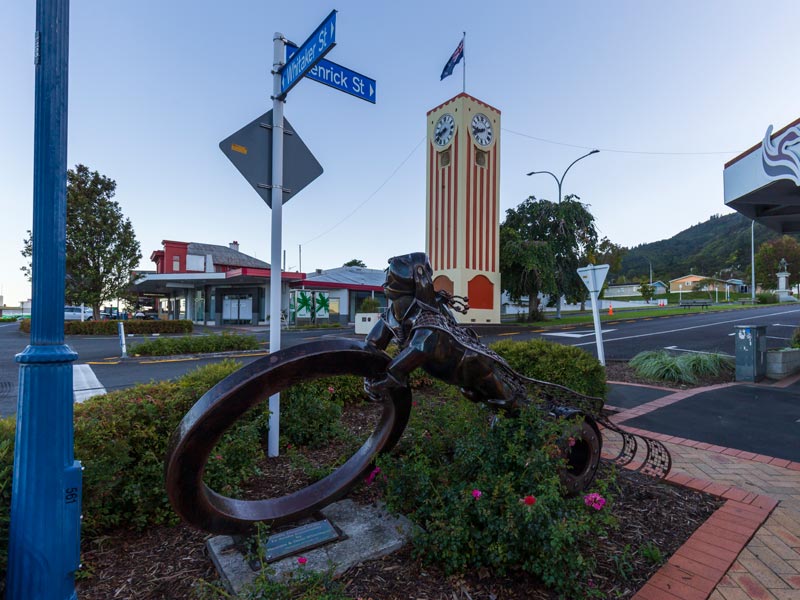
[{"x": 98, "y": 366}]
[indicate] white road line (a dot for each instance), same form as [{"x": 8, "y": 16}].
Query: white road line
[
  {"x": 676, "y": 349},
  {"x": 85, "y": 383},
  {"x": 576, "y": 334},
  {"x": 652, "y": 333}
]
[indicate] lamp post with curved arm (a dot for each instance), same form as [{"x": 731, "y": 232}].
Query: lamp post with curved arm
[{"x": 561, "y": 181}]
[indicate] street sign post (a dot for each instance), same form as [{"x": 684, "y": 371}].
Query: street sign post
[
  {"x": 593, "y": 277},
  {"x": 340, "y": 78},
  {"x": 310, "y": 52},
  {"x": 250, "y": 151}
]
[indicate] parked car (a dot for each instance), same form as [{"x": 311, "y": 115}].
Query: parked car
[{"x": 73, "y": 313}]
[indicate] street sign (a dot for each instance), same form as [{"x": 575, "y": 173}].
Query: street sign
[
  {"x": 340, "y": 78},
  {"x": 593, "y": 276},
  {"x": 250, "y": 151},
  {"x": 311, "y": 51}
]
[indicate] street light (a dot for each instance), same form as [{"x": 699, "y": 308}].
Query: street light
[{"x": 560, "y": 181}]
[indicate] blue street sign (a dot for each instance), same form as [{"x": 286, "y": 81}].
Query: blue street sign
[
  {"x": 311, "y": 51},
  {"x": 340, "y": 78}
]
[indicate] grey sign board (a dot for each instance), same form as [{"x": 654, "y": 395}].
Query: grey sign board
[{"x": 250, "y": 151}]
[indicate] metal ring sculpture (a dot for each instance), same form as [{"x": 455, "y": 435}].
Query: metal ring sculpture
[{"x": 203, "y": 426}]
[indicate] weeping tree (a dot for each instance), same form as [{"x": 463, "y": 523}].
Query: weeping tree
[
  {"x": 768, "y": 260},
  {"x": 101, "y": 246},
  {"x": 541, "y": 244}
]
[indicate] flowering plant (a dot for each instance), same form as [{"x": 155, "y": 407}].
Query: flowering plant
[{"x": 595, "y": 500}]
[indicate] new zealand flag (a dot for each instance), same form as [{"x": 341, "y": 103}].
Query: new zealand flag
[{"x": 454, "y": 59}]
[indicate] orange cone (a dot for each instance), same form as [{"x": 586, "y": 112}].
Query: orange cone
[{"x": 610, "y": 311}]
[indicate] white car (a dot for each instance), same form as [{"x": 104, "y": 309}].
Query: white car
[{"x": 73, "y": 313}]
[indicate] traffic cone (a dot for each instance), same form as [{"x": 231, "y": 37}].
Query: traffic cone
[{"x": 610, "y": 311}]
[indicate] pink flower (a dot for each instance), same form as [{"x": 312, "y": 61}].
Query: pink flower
[
  {"x": 529, "y": 500},
  {"x": 302, "y": 560},
  {"x": 218, "y": 456},
  {"x": 371, "y": 477},
  {"x": 477, "y": 494},
  {"x": 594, "y": 500},
  {"x": 331, "y": 390},
  {"x": 571, "y": 441}
]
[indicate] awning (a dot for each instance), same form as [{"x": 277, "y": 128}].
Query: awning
[{"x": 763, "y": 182}]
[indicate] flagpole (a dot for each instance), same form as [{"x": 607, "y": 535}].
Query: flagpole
[{"x": 464, "y": 66}]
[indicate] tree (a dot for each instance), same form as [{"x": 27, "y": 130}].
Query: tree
[
  {"x": 101, "y": 246},
  {"x": 607, "y": 253},
  {"x": 541, "y": 243},
  {"x": 356, "y": 262},
  {"x": 768, "y": 257},
  {"x": 647, "y": 291}
]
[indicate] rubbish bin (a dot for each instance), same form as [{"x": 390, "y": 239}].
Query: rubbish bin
[{"x": 751, "y": 352}]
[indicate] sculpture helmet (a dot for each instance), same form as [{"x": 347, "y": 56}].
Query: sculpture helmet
[{"x": 410, "y": 275}]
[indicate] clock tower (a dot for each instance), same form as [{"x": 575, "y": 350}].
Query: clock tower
[{"x": 462, "y": 204}]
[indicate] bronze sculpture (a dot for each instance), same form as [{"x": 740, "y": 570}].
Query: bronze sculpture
[{"x": 420, "y": 321}]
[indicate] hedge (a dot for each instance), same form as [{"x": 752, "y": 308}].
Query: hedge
[{"x": 110, "y": 327}]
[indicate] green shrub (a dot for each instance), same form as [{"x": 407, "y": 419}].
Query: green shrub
[
  {"x": 370, "y": 305},
  {"x": 660, "y": 365},
  {"x": 122, "y": 439},
  {"x": 449, "y": 455},
  {"x": 194, "y": 344},
  {"x": 110, "y": 327},
  {"x": 796, "y": 338},
  {"x": 766, "y": 298},
  {"x": 7, "y": 319},
  {"x": 310, "y": 417},
  {"x": 564, "y": 365}
]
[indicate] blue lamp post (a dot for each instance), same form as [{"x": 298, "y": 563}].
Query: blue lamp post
[{"x": 44, "y": 536}]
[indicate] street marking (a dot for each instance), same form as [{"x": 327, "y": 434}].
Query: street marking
[
  {"x": 580, "y": 334},
  {"x": 641, "y": 335},
  {"x": 85, "y": 383},
  {"x": 106, "y": 362},
  {"x": 781, "y": 325},
  {"x": 246, "y": 355},
  {"x": 166, "y": 360},
  {"x": 676, "y": 349},
  {"x": 510, "y": 333},
  {"x": 8, "y": 324}
]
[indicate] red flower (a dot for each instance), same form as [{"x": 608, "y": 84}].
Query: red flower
[
  {"x": 302, "y": 560},
  {"x": 529, "y": 500}
]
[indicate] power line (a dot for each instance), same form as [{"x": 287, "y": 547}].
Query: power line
[
  {"x": 618, "y": 151},
  {"x": 370, "y": 197}
]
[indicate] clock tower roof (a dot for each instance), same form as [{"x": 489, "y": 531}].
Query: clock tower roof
[{"x": 464, "y": 95}]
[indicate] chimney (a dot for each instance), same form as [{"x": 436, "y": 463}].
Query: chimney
[
  {"x": 319, "y": 271},
  {"x": 234, "y": 245}
]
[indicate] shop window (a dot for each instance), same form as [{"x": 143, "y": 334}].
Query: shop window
[{"x": 176, "y": 263}]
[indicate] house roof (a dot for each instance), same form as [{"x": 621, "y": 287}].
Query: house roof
[
  {"x": 346, "y": 277},
  {"x": 223, "y": 255},
  {"x": 689, "y": 275}
]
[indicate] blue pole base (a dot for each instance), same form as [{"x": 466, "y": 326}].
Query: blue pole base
[{"x": 44, "y": 536}]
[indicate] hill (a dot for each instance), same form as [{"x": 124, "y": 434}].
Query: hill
[{"x": 719, "y": 245}]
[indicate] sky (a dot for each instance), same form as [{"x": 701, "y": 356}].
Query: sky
[{"x": 667, "y": 91}]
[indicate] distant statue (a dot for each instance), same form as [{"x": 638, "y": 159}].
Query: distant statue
[{"x": 783, "y": 265}]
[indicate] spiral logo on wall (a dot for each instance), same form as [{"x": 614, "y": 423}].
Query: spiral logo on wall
[{"x": 780, "y": 157}]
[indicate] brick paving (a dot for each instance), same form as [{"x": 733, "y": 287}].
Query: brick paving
[{"x": 725, "y": 560}]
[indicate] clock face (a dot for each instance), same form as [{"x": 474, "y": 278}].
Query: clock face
[
  {"x": 444, "y": 129},
  {"x": 482, "y": 129}
]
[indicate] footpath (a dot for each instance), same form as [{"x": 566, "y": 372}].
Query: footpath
[{"x": 750, "y": 548}]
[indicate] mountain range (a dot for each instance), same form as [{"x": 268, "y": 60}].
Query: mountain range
[{"x": 719, "y": 246}]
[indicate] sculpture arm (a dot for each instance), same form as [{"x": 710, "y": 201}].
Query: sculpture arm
[
  {"x": 411, "y": 357},
  {"x": 380, "y": 336}
]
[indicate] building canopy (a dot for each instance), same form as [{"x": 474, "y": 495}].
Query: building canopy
[{"x": 762, "y": 183}]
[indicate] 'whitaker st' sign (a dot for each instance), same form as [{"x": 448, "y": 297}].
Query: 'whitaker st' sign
[{"x": 313, "y": 49}]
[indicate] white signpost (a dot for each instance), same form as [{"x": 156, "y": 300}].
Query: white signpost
[
  {"x": 286, "y": 74},
  {"x": 593, "y": 277}
]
